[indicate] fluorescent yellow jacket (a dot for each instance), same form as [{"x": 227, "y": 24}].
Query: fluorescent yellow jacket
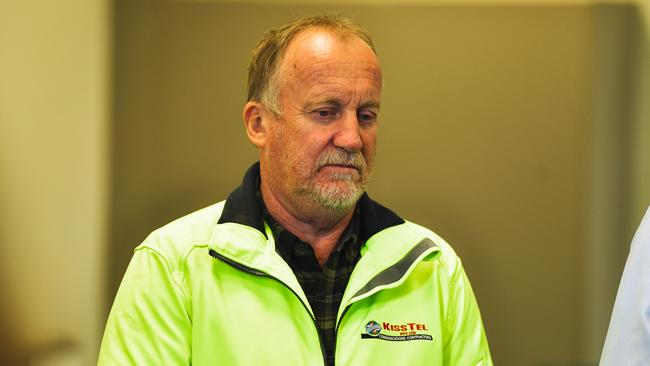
[{"x": 210, "y": 289}]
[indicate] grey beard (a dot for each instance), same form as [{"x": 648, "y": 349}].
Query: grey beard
[{"x": 334, "y": 196}]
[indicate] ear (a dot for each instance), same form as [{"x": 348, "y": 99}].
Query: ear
[{"x": 256, "y": 119}]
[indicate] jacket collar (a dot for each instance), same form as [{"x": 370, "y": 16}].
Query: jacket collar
[{"x": 241, "y": 207}]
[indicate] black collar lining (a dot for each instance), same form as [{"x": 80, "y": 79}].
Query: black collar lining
[{"x": 241, "y": 207}]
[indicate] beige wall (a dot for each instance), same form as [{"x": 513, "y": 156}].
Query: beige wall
[
  {"x": 605, "y": 211},
  {"x": 640, "y": 113},
  {"x": 53, "y": 178}
]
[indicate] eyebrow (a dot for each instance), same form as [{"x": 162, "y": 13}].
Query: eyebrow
[
  {"x": 338, "y": 103},
  {"x": 370, "y": 104}
]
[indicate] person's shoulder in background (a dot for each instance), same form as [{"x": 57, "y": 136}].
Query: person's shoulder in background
[{"x": 628, "y": 337}]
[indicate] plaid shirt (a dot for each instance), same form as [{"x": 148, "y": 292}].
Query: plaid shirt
[{"x": 324, "y": 286}]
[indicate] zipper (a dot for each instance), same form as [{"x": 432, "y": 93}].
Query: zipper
[
  {"x": 336, "y": 331},
  {"x": 240, "y": 267}
]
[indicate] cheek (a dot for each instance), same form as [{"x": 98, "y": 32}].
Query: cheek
[
  {"x": 273, "y": 147},
  {"x": 279, "y": 154},
  {"x": 369, "y": 140},
  {"x": 313, "y": 145},
  {"x": 292, "y": 154}
]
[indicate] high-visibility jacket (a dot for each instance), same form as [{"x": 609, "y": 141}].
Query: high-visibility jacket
[{"x": 208, "y": 291}]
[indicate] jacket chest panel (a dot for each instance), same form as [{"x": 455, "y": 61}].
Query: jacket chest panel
[
  {"x": 402, "y": 325},
  {"x": 242, "y": 318},
  {"x": 245, "y": 319}
]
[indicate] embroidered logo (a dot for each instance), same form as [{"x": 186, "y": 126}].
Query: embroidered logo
[
  {"x": 396, "y": 332},
  {"x": 373, "y": 328}
]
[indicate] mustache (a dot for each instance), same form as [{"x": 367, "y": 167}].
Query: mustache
[{"x": 341, "y": 157}]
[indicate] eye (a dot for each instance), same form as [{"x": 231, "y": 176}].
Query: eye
[
  {"x": 325, "y": 114},
  {"x": 367, "y": 117}
]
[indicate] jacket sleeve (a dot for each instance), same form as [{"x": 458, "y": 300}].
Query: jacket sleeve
[
  {"x": 465, "y": 342},
  {"x": 149, "y": 322}
]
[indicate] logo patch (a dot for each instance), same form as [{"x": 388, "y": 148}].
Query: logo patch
[
  {"x": 396, "y": 332},
  {"x": 373, "y": 328}
]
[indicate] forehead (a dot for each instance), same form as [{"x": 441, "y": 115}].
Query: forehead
[{"x": 319, "y": 56}]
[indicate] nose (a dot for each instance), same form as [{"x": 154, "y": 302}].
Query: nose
[{"x": 348, "y": 134}]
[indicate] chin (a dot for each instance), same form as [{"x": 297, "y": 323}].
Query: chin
[{"x": 340, "y": 196}]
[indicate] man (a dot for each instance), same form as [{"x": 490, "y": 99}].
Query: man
[
  {"x": 628, "y": 337},
  {"x": 299, "y": 266}
]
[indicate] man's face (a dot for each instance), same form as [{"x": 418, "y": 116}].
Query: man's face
[{"x": 321, "y": 148}]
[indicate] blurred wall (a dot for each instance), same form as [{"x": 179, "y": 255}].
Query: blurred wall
[
  {"x": 640, "y": 112},
  {"x": 54, "y": 59},
  {"x": 620, "y": 160},
  {"x": 606, "y": 209},
  {"x": 505, "y": 128}
]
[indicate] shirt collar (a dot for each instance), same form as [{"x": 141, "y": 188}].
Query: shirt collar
[{"x": 286, "y": 241}]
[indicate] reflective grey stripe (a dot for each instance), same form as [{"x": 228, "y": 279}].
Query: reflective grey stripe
[{"x": 395, "y": 272}]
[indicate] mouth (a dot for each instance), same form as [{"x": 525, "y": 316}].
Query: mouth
[{"x": 341, "y": 166}]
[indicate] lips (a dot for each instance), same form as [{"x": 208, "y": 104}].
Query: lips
[{"x": 341, "y": 166}]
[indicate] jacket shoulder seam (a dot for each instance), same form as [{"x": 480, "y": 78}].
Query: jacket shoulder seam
[
  {"x": 172, "y": 272},
  {"x": 453, "y": 279}
]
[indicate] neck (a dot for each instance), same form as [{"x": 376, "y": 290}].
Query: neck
[{"x": 319, "y": 227}]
